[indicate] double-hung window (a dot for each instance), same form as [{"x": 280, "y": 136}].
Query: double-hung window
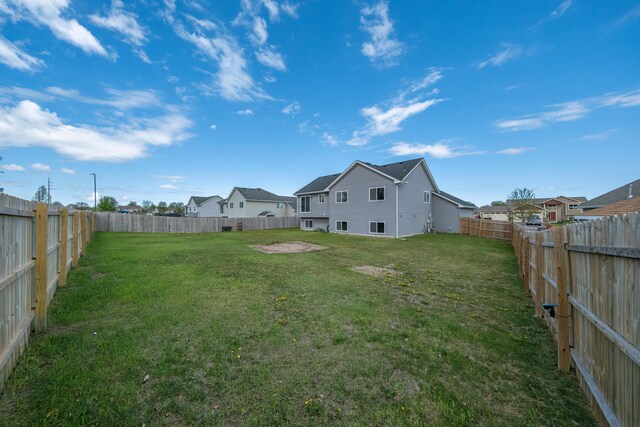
[
  {"x": 427, "y": 197},
  {"x": 376, "y": 194},
  {"x": 231, "y": 205},
  {"x": 376, "y": 227},
  {"x": 241, "y": 205},
  {"x": 320, "y": 198},
  {"x": 305, "y": 206},
  {"x": 342, "y": 196}
]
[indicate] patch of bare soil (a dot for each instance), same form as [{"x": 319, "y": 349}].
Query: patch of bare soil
[
  {"x": 372, "y": 270},
  {"x": 289, "y": 248}
]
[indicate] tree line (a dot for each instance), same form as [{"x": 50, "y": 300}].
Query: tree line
[{"x": 110, "y": 204}]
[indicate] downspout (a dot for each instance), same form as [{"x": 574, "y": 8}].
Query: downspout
[{"x": 397, "y": 217}]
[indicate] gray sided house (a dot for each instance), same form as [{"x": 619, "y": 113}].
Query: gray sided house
[{"x": 394, "y": 200}]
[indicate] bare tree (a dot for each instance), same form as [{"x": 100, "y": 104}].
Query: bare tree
[{"x": 523, "y": 204}]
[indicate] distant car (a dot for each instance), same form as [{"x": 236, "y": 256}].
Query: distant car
[{"x": 534, "y": 220}]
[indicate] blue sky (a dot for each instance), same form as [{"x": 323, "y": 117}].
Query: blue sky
[{"x": 167, "y": 99}]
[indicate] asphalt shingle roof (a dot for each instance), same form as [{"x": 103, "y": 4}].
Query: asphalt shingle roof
[
  {"x": 617, "y": 208},
  {"x": 318, "y": 184},
  {"x": 199, "y": 200},
  {"x": 457, "y": 200},
  {"x": 260, "y": 194},
  {"x": 398, "y": 170},
  {"x": 613, "y": 196}
]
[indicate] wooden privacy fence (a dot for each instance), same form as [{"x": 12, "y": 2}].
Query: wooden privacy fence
[
  {"x": 164, "y": 224},
  {"x": 38, "y": 245},
  {"x": 589, "y": 275},
  {"x": 501, "y": 230}
]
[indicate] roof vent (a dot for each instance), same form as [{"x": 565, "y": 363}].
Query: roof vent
[{"x": 630, "y": 190}]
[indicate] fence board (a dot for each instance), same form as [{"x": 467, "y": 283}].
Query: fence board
[
  {"x": 19, "y": 260},
  {"x": 603, "y": 293},
  {"x": 131, "y": 223},
  {"x": 501, "y": 230}
]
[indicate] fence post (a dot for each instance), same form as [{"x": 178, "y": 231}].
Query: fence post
[
  {"x": 41, "y": 267},
  {"x": 527, "y": 265},
  {"x": 539, "y": 278},
  {"x": 564, "y": 355},
  {"x": 88, "y": 226},
  {"x": 64, "y": 234},
  {"x": 83, "y": 222},
  {"x": 76, "y": 240}
]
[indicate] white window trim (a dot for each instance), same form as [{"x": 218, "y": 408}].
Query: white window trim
[
  {"x": 321, "y": 200},
  {"x": 342, "y": 231},
  {"x": 377, "y": 222},
  {"x": 231, "y": 205},
  {"x": 424, "y": 196},
  {"x": 381, "y": 200},
  {"x": 308, "y": 204},
  {"x": 241, "y": 205},
  {"x": 308, "y": 221},
  {"x": 342, "y": 191}
]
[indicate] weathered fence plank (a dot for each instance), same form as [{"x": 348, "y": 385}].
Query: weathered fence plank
[{"x": 131, "y": 223}]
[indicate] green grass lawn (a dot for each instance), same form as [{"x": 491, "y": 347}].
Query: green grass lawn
[{"x": 202, "y": 329}]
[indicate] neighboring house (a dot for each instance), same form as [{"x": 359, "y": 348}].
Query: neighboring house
[
  {"x": 496, "y": 213},
  {"x": 395, "y": 200},
  {"x": 555, "y": 209},
  {"x": 617, "y": 208},
  {"x": 256, "y": 202},
  {"x": 130, "y": 209},
  {"x": 624, "y": 192},
  {"x": 202, "y": 207},
  {"x": 562, "y": 208}
]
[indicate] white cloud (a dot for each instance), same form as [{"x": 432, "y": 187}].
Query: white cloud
[
  {"x": 27, "y": 124},
  {"x": 600, "y": 136},
  {"x": 383, "y": 122},
  {"x": 167, "y": 186},
  {"x": 569, "y": 111},
  {"x": 439, "y": 150},
  {"x": 381, "y": 49},
  {"x": 213, "y": 126},
  {"x": 68, "y": 171},
  {"x": 632, "y": 15},
  {"x": 232, "y": 81},
  {"x": 270, "y": 58},
  {"x": 246, "y": 112},
  {"x": 557, "y": 13},
  {"x": 40, "y": 167},
  {"x": 292, "y": 109},
  {"x": 515, "y": 150},
  {"x": 119, "y": 99},
  {"x": 123, "y": 22},
  {"x": 329, "y": 139},
  {"x": 12, "y": 167},
  {"x": 173, "y": 178},
  {"x": 290, "y": 9},
  {"x": 508, "y": 53},
  {"x": 12, "y": 56},
  {"x": 434, "y": 75},
  {"x": 50, "y": 14}
]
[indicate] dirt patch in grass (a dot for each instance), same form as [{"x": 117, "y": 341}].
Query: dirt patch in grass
[
  {"x": 372, "y": 270},
  {"x": 289, "y": 248}
]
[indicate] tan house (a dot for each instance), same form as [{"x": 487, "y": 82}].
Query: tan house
[{"x": 562, "y": 208}]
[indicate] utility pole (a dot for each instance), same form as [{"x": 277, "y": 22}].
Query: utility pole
[
  {"x": 49, "y": 190},
  {"x": 95, "y": 197}
]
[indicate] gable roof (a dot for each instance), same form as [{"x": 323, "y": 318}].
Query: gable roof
[
  {"x": 397, "y": 172},
  {"x": 499, "y": 208},
  {"x": 319, "y": 184},
  {"x": 198, "y": 200},
  {"x": 259, "y": 194},
  {"x": 617, "y": 208},
  {"x": 461, "y": 203},
  {"x": 613, "y": 196}
]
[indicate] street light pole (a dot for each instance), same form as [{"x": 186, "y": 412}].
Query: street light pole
[{"x": 95, "y": 197}]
